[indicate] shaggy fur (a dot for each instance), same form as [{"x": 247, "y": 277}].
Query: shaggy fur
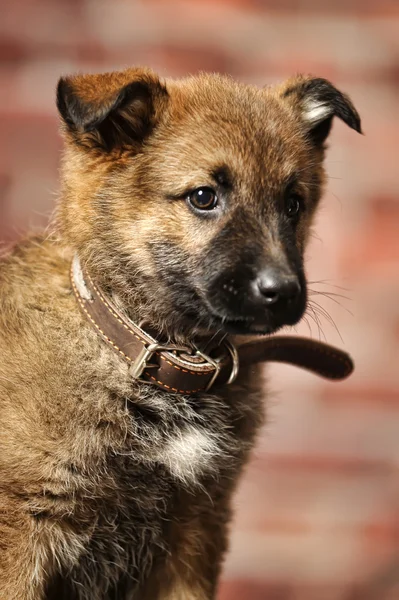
[{"x": 111, "y": 489}]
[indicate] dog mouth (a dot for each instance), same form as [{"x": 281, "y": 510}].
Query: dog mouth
[
  {"x": 244, "y": 325},
  {"x": 264, "y": 322},
  {"x": 248, "y": 318}
]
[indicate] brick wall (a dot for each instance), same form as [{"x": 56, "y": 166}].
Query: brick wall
[{"x": 318, "y": 510}]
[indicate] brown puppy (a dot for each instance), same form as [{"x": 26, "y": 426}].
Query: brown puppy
[{"x": 189, "y": 203}]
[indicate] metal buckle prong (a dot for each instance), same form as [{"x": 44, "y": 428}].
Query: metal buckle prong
[
  {"x": 141, "y": 363},
  {"x": 235, "y": 360},
  {"x": 216, "y": 364}
]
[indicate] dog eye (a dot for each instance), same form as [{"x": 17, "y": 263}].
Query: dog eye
[
  {"x": 204, "y": 198},
  {"x": 293, "y": 205}
]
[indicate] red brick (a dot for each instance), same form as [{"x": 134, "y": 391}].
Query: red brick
[
  {"x": 238, "y": 590},
  {"x": 343, "y": 465},
  {"x": 377, "y": 395},
  {"x": 378, "y": 242},
  {"x": 327, "y": 465}
]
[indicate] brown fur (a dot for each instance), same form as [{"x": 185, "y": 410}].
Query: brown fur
[{"x": 100, "y": 498}]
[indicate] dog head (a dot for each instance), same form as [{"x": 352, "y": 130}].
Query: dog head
[{"x": 191, "y": 201}]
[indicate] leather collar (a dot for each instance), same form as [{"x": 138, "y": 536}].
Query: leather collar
[{"x": 188, "y": 369}]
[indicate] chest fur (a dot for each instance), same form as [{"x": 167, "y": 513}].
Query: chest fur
[{"x": 170, "y": 476}]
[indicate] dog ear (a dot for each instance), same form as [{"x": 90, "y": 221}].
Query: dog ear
[
  {"x": 319, "y": 101},
  {"x": 110, "y": 110}
]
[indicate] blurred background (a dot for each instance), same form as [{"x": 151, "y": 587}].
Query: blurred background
[{"x": 317, "y": 514}]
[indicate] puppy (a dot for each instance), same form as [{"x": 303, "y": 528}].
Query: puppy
[{"x": 185, "y": 211}]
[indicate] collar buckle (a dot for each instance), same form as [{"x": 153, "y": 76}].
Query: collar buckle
[{"x": 142, "y": 361}]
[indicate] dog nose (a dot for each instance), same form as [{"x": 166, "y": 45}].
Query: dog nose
[{"x": 275, "y": 287}]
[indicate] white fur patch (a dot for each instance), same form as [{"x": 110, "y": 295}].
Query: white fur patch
[
  {"x": 190, "y": 453},
  {"x": 78, "y": 279},
  {"x": 315, "y": 112}
]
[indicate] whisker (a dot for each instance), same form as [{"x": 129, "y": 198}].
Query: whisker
[
  {"x": 328, "y": 282},
  {"x": 306, "y": 321},
  {"x": 329, "y": 294},
  {"x": 323, "y": 312},
  {"x": 333, "y": 297},
  {"x": 313, "y": 315},
  {"x": 212, "y": 338}
]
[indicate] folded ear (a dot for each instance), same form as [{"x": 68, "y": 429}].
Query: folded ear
[
  {"x": 111, "y": 109},
  {"x": 319, "y": 101}
]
